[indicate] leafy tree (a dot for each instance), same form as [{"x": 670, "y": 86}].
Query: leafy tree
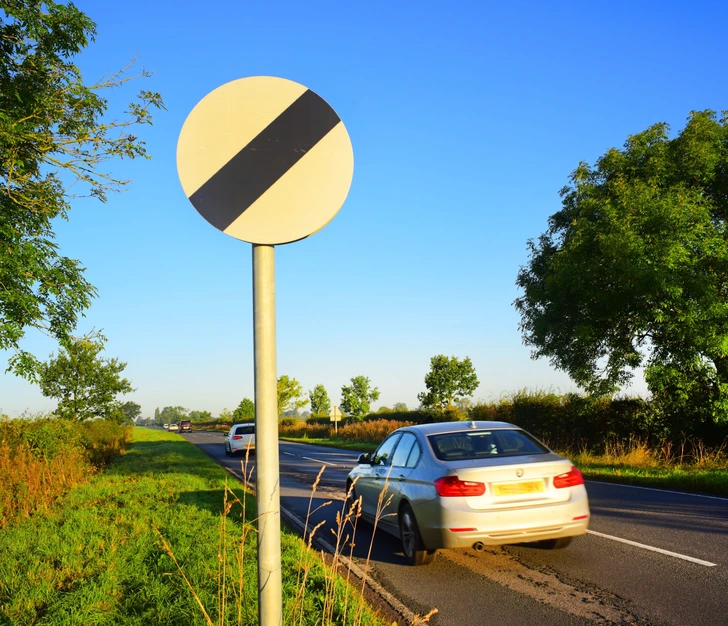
[
  {"x": 85, "y": 384},
  {"x": 357, "y": 397},
  {"x": 131, "y": 411},
  {"x": 173, "y": 414},
  {"x": 245, "y": 411},
  {"x": 157, "y": 418},
  {"x": 226, "y": 415},
  {"x": 320, "y": 402},
  {"x": 449, "y": 379},
  {"x": 399, "y": 407},
  {"x": 289, "y": 395},
  {"x": 200, "y": 416},
  {"x": 633, "y": 270},
  {"x": 54, "y": 138}
]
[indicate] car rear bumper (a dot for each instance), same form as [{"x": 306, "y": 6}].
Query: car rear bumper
[{"x": 458, "y": 528}]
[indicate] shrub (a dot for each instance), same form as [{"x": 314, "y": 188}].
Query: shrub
[{"x": 43, "y": 458}]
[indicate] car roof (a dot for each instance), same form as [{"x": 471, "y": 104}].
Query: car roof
[
  {"x": 438, "y": 428},
  {"x": 244, "y": 424}
]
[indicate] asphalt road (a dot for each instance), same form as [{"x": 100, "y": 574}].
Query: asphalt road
[{"x": 651, "y": 557}]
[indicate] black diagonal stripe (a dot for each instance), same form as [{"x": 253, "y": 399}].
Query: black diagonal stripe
[{"x": 253, "y": 170}]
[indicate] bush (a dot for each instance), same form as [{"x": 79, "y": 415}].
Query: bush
[{"x": 43, "y": 458}]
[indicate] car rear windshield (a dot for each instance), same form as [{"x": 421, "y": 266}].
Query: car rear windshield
[
  {"x": 245, "y": 430},
  {"x": 187, "y": 423},
  {"x": 479, "y": 444}
]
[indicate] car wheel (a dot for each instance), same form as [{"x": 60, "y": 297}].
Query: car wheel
[
  {"x": 414, "y": 549},
  {"x": 554, "y": 544},
  {"x": 227, "y": 450}
]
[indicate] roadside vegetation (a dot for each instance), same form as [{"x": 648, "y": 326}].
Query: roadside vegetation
[
  {"x": 42, "y": 459},
  {"x": 623, "y": 439},
  {"x": 160, "y": 537}
]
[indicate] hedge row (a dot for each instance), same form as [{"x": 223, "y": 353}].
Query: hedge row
[{"x": 42, "y": 459}]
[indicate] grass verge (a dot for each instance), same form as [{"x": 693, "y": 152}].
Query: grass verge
[{"x": 118, "y": 550}]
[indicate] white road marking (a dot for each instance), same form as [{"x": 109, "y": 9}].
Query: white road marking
[
  {"x": 679, "y": 493},
  {"x": 308, "y": 458},
  {"x": 653, "y": 549}
]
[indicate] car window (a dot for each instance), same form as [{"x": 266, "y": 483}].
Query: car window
[
  {"x": 414, "y": 455},
  {"x": 477, "y": 444},
  {"x": 404, "y": 447},
  {"x": 384, "y": 452},
  {"x": 245, "y": 430}
]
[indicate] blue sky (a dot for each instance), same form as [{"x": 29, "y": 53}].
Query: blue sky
[{"x": 466, "y": 119}]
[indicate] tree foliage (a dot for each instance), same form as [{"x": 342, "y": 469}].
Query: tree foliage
[
  {"x": 245, "y": 411},
  {"x": 320, "y": 402},
  {"x": 290, "y": 395},
  {"x": 54, "y": 142},
  {"x": 84, "y": 383},
  {"x": 173, "y": 414},
  {"x": 449, "y": 379},
  {"x": 200, "y": 416},
  {"x": 356, "y": 398},
  {"x": 131, "y": 411},
  {"x": 633, "y": 270}
]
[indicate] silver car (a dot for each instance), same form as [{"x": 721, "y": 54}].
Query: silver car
[
  {"x": 469, "y": 484},
  {"x": 239, "y": 439}
]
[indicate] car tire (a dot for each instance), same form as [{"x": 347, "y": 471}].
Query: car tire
[
  {"x": 554, "y": 544},
  {"x": 413, "y": 547},
  {"x": 227, "y": 450}
]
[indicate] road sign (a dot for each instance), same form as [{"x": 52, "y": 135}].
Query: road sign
[
  {"x": 265, "y": 160},
  {"x": 335, "y": 415},
  {"x": 268, "y": 161}
]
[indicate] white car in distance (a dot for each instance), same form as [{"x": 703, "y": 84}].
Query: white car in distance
[{"x": 240, "y": 439}]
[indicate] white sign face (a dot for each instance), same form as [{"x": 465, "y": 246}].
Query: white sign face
[
  {"x": 265, "y": 160},
  {"x": 335, "y": 415}
]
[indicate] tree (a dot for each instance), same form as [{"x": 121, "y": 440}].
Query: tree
[
  {"x": 289, "y": 395},
  {"x": 399, "y": 407},
  {"x": 320, "y": 402},
  {"x": 245, "y": 411},
  {"x": 173, "y": 414},
  {"x": 54, "y": 138},
  {"x": 357, "y": 397},
  {"x": 200, "y": 416},
  {"x": 226, "y": 415},
  {"x": 85, "y": 384},
  {"x": 449, "y": 379},
  {"x": 157, "y": 418},
  {"x": 131, "y": 411},
  {"x": 633, "y": 270}
]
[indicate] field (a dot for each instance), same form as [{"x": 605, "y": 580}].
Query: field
[{"x": 160, "y": 537}]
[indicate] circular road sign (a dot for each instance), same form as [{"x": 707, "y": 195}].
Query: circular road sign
[{"x": 265, "y": 160}]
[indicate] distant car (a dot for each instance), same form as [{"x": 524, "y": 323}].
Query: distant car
[
  {"x": 166, "y": 427},
  {"x": 173, "y": 427},
  {"x": 463, "y": 484},
  {"x": 240, "y": 438},
  {"x": 185, "y": 425}
]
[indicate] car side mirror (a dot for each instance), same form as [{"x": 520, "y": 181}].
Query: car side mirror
[{"x": 364, "y": 460}]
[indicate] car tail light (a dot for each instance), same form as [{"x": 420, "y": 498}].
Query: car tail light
[
  {"x": 572, "y": 478},
  {"x": 452, "y": 486},
  {"x": 237, "y": 436}
]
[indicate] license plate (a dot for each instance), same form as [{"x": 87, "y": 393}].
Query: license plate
[{"x": 516, "y": 489}]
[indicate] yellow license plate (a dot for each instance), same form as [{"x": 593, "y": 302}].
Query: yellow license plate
[{"x": 516, "y": 489}]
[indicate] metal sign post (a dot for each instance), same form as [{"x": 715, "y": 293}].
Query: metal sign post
[{"x": 267, "y": 161}]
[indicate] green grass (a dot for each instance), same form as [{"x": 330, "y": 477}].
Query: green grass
[{"x": 96, "y": 558}]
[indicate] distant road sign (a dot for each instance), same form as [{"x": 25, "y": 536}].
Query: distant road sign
[
  {"x": 265, "y": 160},
  {"x": 335, "y": 415}
]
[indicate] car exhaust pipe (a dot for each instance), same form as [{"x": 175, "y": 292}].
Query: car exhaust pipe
[{"x": 478, "y": 546}]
